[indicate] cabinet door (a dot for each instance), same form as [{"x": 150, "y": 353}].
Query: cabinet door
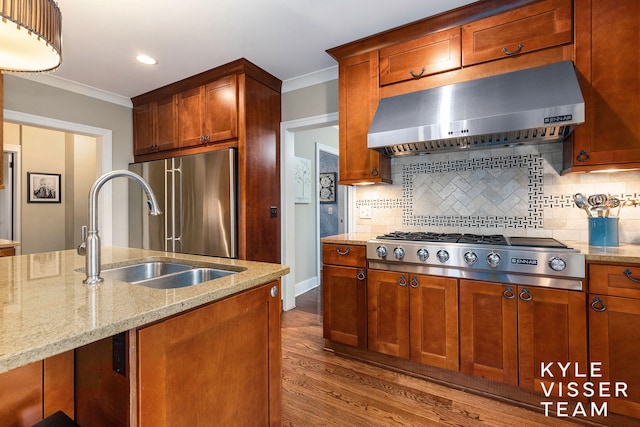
[
  {"x": 344, "y": 305},
  {"x": 388, "y": 313},
  {"x": 190, "y": 117},
  {"x": 540, "y": 25},
  {"x": 143, "y": 132},
  {"x": 614, "y": 340},
  {"x": 606, "y": 58},
  {"x": 434, "y": 321},
  {"x": 488, "y": 331},
  {"x": 220, "y": 362},
  {"x": 358, "y": 100},
  {"x": 552, "y": 328},
  {"x": 221, "y": 110},
  {"x": 166, "y": 123},
  {"x": 422, "y": 57}
]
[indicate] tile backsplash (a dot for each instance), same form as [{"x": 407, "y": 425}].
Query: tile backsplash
[{"x": 515, "y": 191}]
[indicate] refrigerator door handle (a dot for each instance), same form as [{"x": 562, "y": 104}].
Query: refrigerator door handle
[
  {"x": 168, "y": 183},
  {"x": 177, "y": 220}
]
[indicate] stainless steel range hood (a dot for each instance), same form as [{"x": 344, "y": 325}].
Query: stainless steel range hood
[{"x": 542, "y": 104}]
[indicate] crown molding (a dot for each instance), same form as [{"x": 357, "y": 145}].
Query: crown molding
[
  {"x": 71, "y": 86},
  {"x": 317, "y": 77}
]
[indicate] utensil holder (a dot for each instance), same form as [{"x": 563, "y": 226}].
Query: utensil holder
[{"x": 603, "y": 231}]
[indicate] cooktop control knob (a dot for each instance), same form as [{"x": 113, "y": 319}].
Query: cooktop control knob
[
  {"x": 557, "y": 264},
  {"x": 398, "y": 252},
  {"x": 423, "y": 254},
  {"x": 442, "y": 255},
  {"x": 470, "y": 258},
  {"x": 382, "y": 251},
  {"x": 493, "y": 259}
]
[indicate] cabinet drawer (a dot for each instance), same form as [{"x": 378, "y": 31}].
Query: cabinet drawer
[
  {"x": 618, "y": 280},
  {"x": 427, "y": 55},
  {"x": 526, "y": 29},
  {"x": 347, "y": 255}
]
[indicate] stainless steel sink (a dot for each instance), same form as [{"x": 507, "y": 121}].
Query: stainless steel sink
[
  {"x": 143, "y": 271},
  {"x": 184, "y": 278}
]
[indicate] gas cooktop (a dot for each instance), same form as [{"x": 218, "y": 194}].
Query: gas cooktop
[
  {"x": 480, "y": 239},
  {"x": 537, "y": 261}
]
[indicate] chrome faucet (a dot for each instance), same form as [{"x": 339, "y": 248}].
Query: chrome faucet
[{"x": 90, "y": 246}]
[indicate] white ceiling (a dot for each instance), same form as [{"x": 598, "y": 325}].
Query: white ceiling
[{"x": 287, "y": 38}]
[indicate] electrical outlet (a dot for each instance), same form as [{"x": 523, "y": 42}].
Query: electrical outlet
[{"x": 365, "y": 212}]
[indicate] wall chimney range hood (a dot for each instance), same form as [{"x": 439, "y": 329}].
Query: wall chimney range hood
[{"x": 542, "y": 104}]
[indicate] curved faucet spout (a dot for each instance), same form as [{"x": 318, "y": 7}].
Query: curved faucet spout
[{"x": 92, "y": 240}]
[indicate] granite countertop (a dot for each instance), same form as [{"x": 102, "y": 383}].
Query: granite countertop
[
  {"x": 47, "y": 310},
  {"x": 626, "y": 252}
]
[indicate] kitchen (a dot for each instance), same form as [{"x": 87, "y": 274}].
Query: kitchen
[{"x": 386, "y": 201}]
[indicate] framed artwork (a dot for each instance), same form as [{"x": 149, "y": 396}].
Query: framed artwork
[
  {"x": 43, "y": 187},
  {"x": 327, "y": 187},
  {"x": 302, "y": 179}
]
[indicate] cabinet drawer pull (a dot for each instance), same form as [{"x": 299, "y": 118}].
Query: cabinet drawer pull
[
  {"x": 515, "y": 52},
  {"x": 525, "y": 295},
  {"x": 361, "y": 275},
  {"x": 417, "y": 75},
  {"x": 582, "y": 156},
  {"x": 402, "y": 281},
  {"x": 414, "y": 283},
  {"x": 598, "y": 305},
  {"x": 345, "y": 252},
  {"x": 627, "y": 273},
  {"x": 508, "y": 293}
]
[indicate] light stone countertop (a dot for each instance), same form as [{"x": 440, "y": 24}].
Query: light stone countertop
[
  {"x": 45, "y": 309},
  {"x": 4, "y": 243},
  {"x": 626, "y": 252}
]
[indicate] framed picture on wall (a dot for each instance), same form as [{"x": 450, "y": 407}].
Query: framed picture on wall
[
  {"x": 43, "y": 187},
  {"x": 327, "y": 187}
]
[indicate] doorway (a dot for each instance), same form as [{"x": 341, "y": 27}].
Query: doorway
[
  {"x": 101, "y": 139},
  {"x": 10, "y": 212}
]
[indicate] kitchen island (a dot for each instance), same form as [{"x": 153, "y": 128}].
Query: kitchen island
[{"x": 47, "y": 312}]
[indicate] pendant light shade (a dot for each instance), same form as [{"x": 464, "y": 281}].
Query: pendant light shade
[{"x": 30, "y": 35}]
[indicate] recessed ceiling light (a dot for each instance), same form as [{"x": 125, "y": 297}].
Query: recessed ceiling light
[{"x": 146, "y": 60}]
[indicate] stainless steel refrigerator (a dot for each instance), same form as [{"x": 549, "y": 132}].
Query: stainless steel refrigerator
[{"x": 198, "y": 196}]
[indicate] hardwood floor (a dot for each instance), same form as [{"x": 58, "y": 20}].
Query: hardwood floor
[{"x": 322, "y": 389}]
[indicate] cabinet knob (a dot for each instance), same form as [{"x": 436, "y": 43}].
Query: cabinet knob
[
  {"x": 525, "y": 295},
  {"x": 582, "y": 156},
  {"x": 417, "y": 75},
  {"x": 274, "y": 291},
  {"x": 508, "y": 293},
  {"x": 345, "y": 252},
  {"x": 627, "y": 273},
  {"x": 414, "y": 283},
  {"x": 598, "y": 305},
  {"x": 513, "y": 52}
]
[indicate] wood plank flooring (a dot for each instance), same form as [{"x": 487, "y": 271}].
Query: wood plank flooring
[{"x": 322, "y": 389}]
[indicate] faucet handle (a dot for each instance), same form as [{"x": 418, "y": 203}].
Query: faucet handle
[{"x": 82, "y": 247}]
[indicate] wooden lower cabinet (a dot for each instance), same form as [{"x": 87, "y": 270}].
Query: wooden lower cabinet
[
  {"x": 344, "y": 304},
  {"x": 508, "y": 331},
  {"x": 413, "y": 316},
  {"x": 216, "y": 365},
  {"x": 37, "y": 390},
  {"x": 614, "y": 341}
]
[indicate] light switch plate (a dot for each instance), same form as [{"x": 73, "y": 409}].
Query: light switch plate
[{"x": 365, "y": 212}]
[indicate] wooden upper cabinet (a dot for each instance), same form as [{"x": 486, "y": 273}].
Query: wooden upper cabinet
[
  {"x": 422, "y": 57},
  {"x": 155, "y": 126},
  {"x": 526, "y": 29},
  {"x": 208, "y": 113},
  {"x": 357, "y": 103},
  {"x": 607, "y": 62}
]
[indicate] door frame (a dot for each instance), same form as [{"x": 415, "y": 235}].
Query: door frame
[
  {"x": 287, "y": 162},
  {"x": 104, "y": 139},
  {"x": 17, "y": 192}
]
